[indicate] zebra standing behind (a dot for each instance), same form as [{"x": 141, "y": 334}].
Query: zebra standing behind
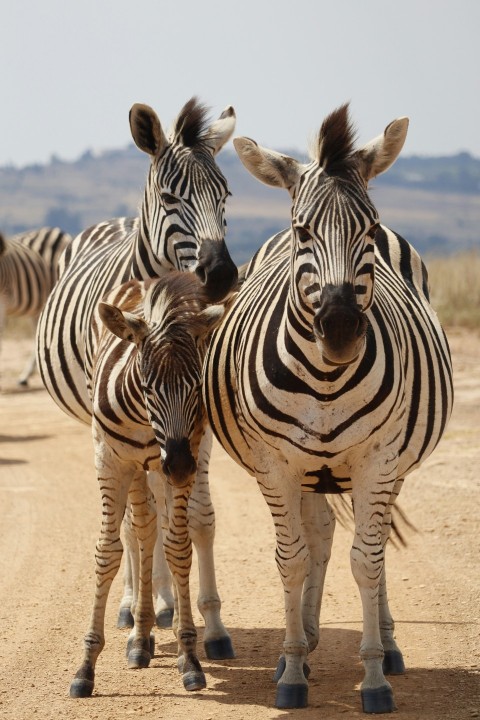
[
  {"x": 148, "y": 415},
  {"x": 331, "y": 374},
  {"x": 28, "y": 272}
]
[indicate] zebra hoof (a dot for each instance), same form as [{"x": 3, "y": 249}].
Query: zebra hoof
[
  {"x": 393, "y": 663},
  {"x": 22, "y": 383},
  {"x": 220, "y": 649},
  {"x": 194, "y": 680},
  {"x": 281, "y": 669},
  {"x": 138, "y": 658},
  {"x": 81, "y": 688},
  {"x": 151, "y": 647},
  {"x": 164, "y": 618},
  {"x": 291, "y": 696},
  {"x": 125, "y": 618},
  {"x": 378, "y": 700}
]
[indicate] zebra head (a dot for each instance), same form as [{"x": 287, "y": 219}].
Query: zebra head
[
  {"x": 333, "y": 227},
  {"x": 183, "y": 219},
  {"x": 171, "y": 340}
]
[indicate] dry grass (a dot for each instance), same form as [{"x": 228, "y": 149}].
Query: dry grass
[{"x": 455, "y": 289}]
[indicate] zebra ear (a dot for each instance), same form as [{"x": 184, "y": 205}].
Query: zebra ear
[
  {"x": 381, "y": 152},
  {"x": 146, "y": 130},
  {"x": 221, "y": 130},
  {"x": 124, "y": 325},
  {"x": 268, "y": 166},
  {"x": 207, "y": 320}
]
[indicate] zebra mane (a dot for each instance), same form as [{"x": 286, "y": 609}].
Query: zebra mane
[
  {"x": 335, "y": 142},
  {"x": 176, "y": 297},
  {"x": 190, "y": 127}
]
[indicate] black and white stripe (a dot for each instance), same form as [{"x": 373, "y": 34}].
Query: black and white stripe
[
  {"x": 148, "y": 417},
  {"x": 331, "y": 374},
  {"x": 28, "y": 272}
]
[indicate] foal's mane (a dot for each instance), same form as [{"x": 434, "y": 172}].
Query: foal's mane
[{"x": 335, "y": 143}]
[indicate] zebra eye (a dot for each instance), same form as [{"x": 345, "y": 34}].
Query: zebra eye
[
  {"x": 373, "y": 229},
  {"x": 169, "y": 199},
  {"x": 303, "y": 234}
]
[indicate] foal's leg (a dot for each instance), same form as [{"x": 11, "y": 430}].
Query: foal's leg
[
  {"x": 130, "y": 566},
  {"x": 178, "y": 551},
  {"x": 201, "y": 526},
  {"x": 144, "y": 522},
  {"x": 31, "y": 364},
  {"x": 163, "y": 599},
  {"x": 114, "y": 480}
]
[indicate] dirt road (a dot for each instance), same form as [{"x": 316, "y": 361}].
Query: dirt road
[{"x": 49, "y": 524}]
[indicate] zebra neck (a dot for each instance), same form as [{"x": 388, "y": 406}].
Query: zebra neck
[{"x": 145, "y": 264}]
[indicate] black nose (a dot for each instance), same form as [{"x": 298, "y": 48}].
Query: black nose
[
  {"x": 179, "y": 464},
  {"x": 216, "y": 270}
]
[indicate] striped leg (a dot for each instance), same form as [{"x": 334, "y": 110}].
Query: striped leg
[
  {"x": 163, "y": 599},
  {"x": 367, "y": 561},
  {"x": 113, "y": 488},
  {"x": 284, "y": 501},
  {"x": 144, "y": 521},
  {"x": 31, "y": 364},
  {"x": 125, "y": 616},
  {"x": 393, "y": 663},
  {"x": 201, "y": 526},
  {"x": 178, "y": 551}
]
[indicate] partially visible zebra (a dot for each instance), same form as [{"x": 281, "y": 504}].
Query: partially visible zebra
[
  {"x": 331, "y": 374},
  {"x": 28, "y": 272},
  {"x": 148, "y": 415},
  {"x": 181, "y": 226}
]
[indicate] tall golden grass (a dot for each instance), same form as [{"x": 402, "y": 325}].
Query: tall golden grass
[{"x": 455, "y": 288}]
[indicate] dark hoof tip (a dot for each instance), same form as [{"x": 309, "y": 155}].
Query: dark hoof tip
[
  {"x": 291, "y": 696},
  {"x": 151, "y": 647},
  {"x": 125, "y": 618},
  {"x": 22, "y": 383},
  {"x": 281, "y": 669},
  {"x": 393, "y": 663},
  {"x": 378, "y": 700},
  {"x": 138, "y": 659},
  {"x": 194, "y": 680},
  {"x": 81, "y": 688},
  {"x": 164, "y": 618},
  {"x": 221, "y": 649}
]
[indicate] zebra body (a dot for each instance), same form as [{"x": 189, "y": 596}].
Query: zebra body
[
  {"x": 331, "y": 374},
  {"x": 148, "y": 416},
  {"x": 181, "y": 226},
  {"x": 28, "y": 271}
]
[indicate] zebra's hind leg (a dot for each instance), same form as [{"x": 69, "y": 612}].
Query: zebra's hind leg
[
  {"x": 141, "y": 643},
  {"x": 201, "y": 525},
  {"x": 31, "y": 364},
  {"x": 178, "y": 551},
  {"x": 127, "y": 603},
  {"x": 393, "y": 663}
]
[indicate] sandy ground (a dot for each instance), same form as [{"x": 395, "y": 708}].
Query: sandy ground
[{"x": 50, "y": 518}]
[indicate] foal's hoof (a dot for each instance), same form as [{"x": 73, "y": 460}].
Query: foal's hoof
[
  {"x": 291, "y": 696},
  {"x": 393, "y": 663},
  {"x": 194, "y": 680},
  {"x": 281, "y": 669},
  {"x": 220, "y": 649},
  {"x": 81, "y": 688},
  {"x": 125, "y": 618},
  {"x": 164, "y": 618},
  {"x": 378, "y": 700},
  {"x": 151, "y": 647}
]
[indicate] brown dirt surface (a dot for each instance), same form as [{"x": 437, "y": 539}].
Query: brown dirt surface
[{"x": 50, "y": 520}]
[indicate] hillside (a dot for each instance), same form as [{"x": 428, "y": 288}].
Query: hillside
[{"x": 434, "y": 202}]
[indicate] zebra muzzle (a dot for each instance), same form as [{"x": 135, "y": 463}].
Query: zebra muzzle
[{"x": 178, "y": 463}]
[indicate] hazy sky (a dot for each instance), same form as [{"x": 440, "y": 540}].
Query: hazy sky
[{"x": 70, "y": 71}]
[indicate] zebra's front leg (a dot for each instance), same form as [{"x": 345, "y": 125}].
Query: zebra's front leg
[
  {"x": 367, "y": 562},
  {"x": 201, "y": 525},
  {"x": 163, "y": 599},
  {"x": 108, "y": 554},
  {"x": 178, "y": 551},
  {"x": 141, "y": 643},
  {"x": 393, "y": 663},
  {"x": 292, "y": 557},
  {"x": 31, "y": 363},
  {"x": 130, "y": 562}
]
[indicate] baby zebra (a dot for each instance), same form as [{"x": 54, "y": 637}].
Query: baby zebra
[
  {"x": 28, "y": 272},
  {"x": 148, "y": 415}
]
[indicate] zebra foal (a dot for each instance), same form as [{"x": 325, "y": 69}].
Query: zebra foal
[
  {"x": 28, "y": 272},
  {"x": 331, "y": 374},
  {"x": 148, "y": 415}
]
